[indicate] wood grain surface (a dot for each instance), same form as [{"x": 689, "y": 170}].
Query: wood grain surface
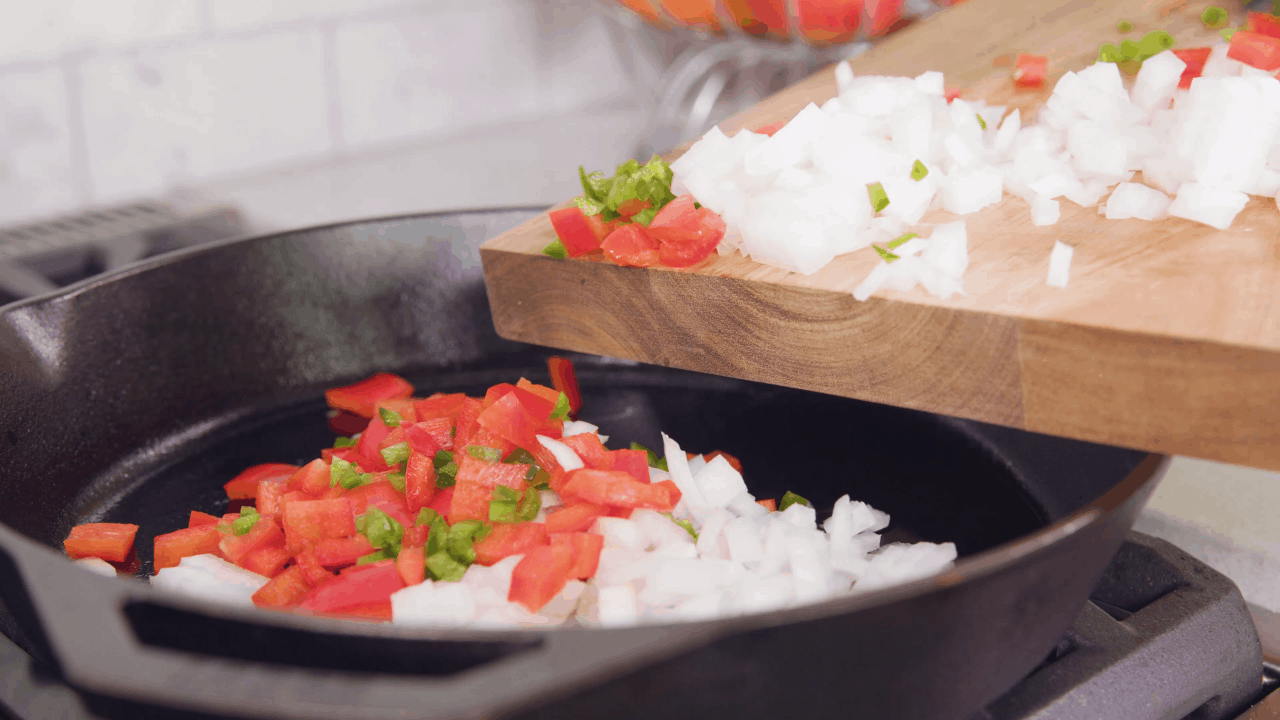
[{"x": 1167, "y": 338}]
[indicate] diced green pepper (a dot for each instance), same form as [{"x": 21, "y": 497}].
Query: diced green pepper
[
  {"x": 790, "y": 499},
  {"x": 879, "y": 199}
]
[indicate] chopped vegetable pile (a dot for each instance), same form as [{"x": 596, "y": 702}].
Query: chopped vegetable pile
[
  {"x": 502, "y": 510},
  {"x": 1201, "y": 125}
]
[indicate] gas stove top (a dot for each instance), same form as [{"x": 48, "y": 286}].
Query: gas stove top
[{"x": 1165, "y": 637}]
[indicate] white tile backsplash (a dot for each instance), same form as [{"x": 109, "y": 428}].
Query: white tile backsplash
[
  {"x": 181, "y": 116},
  {"x": 36, "y": 170},
  {"x": 36, "y": 30},
  {"x": 434, "y": 73},
  {"x": 138, "y": 96}
]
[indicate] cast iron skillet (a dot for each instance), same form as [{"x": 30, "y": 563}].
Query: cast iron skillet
[{"x": 133, "y": 398}]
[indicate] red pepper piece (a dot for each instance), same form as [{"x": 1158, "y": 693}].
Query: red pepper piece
[
  {"x": 575, "y": 232},
  {"x": 588, "y": 447},
  {"x": 405, "y": 408},
  {"x": 368, "y": 456},
  {"x": 769, "y": 504},
  {"x": 312, "y": 570},
  {"x": 415, "y": 535},
  {"x": 430, "y": 436},
  {"x": 565, "y": 379},
  {"x": 618, "y": 489},
  {"x": 632, "y": 462},
  {"x": 551, "y": 395},
  {"x": 362, "y": 585},
  {"x": 476, "y": 480},
  {"x": 621, "y": 512},
  {"x": 483, "y": 437},
  {"x": 442, "y": 502},
  {"x": 1255, "y": 49},
  {"x": 238, "y": 547},
  {"x": 574, "y": 518},
  {"x": 631, "y": 246},
  {"x": 586, "y": 552},
  {"x": 540, "y": 576},
  {"x": 514, "y": 420},
  {"x": 1263, "y": 24},
  {"x": 268, "y": 560},
  {"x": 310, "y": 520},
  {"x": 1195, "y": 58},
  {"x": 373, "y": 494},
  {"x": 109, "y": 541},
  {"x": 411, "y": 565},
  {"x": 269, "y": 497},
  {"x": 509, "y": 539},
  {"x": 312, "y": 479},
  {"x": 346, "y": 453},
  {"x": 733, "y": 461},
  {"x": 285, "y": 590},
  {"x": 1030, "y": 71},
  {"x": 439, "y": 406},
  {"x": 471, "y": 409},
  {"x": 361, "y": 398},
  {"x": 198, "y": 518},
  {"x": 679, "y": 249},
  {"x": 952, "y": 94},
  {"x": 170, "y": 548},
  {"x": 771, "y": 128},
  {"x": 245, "y": 485},
  {"x": 340, "y": 552},
  {"x": 419, "y": 481}
]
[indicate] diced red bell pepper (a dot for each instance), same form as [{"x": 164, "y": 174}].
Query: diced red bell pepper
[
  {"x": 492, "y": 474},
  {"x": 373, "y": 494},
  {"x": 952, "y": 94},
  {"x": 268, "y": 560},
  {"x": 483, "y": 437},
  {"x": 1030, "y": 71},
  {"x": 269, "y": 497},
  {"x": 677, "y": 221},
  {"x": 370, "y": 458},
  {"x": 551, "y": 395},
  {"x": 411, "y": 564},
  {"x": 771, "y": 128},
  {"x": 245, "y": 485},
  {"x": 618, "y": 489},
  {"x": 1263, "y": 24},
  {"x": 406, "y": 409},
  {"x": 312, "y": 571},
  {"x": 346, "y": 453},
  {"x": 574, "y": 518},
  {"x": 309, "y": 520},
  {"x": 588, "y": 447},
  {"x": 312, "y": 479},
  {"x": 471, "y": 498},
  {"x": 346, "y": 423},
  {"x": 631, "y": 246},
  {"x": 379, "y": 611},
  {"x": 1195, "y": 58},
  {"x": 515, "y": 417},
  {"x": 439, "y": 406},
  {"x": 419, "y": 481},
  {"x": 430, "y": 436},
  {"x": 494, "y": 394},
  {"x": 768, "y": 504},
  {"x": 198, "y": 518},
  {"x": 285, "y": 590},
  {"x": 170, "y": 548},
  {"x": 632, "y": 462},
  {"x": 733, "y": 461},
  {"x": 238, "y": 547},
  {"x": 361, "y": 398},
  {"x": 363, "y": 585},
  {"x": 885, "y": 17},
  {"x": 687, "y": 234},
  {"x": 442, "y": 502},
  {"x": 340, "y": 552},
  {"x": 396, "y": 509},
  {"x": 540, "y": 576},
  {"x": 586, "y": 552},
  {"x": 576, "y": 233},
  {"x": 332, "y": 493},
  {"x": 622, "y": 512},
  {"x": 471, "y": 409},
  {"x": 1256, "y": 50},
  {"x": 565, "y": 379},
  {"x": 109, "y": 541},
  {"x": 415, "y": 535},
  {"x": 509, "y": 539},
  {"x": 395, "y": 437}
]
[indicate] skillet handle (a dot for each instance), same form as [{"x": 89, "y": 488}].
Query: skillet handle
[{"x": 82, "y": 618}]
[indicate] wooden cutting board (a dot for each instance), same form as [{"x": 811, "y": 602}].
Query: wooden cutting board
[{"x": 1167, "y": 338}]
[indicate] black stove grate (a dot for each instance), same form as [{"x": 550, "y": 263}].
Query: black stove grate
[{"x": 1164, "y": 638}]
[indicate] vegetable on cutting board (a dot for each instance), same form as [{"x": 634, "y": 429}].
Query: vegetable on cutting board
[{"x": 535, "y": 508}]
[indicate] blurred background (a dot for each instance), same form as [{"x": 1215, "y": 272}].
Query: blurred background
[{"x": 129, "y": 127}]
